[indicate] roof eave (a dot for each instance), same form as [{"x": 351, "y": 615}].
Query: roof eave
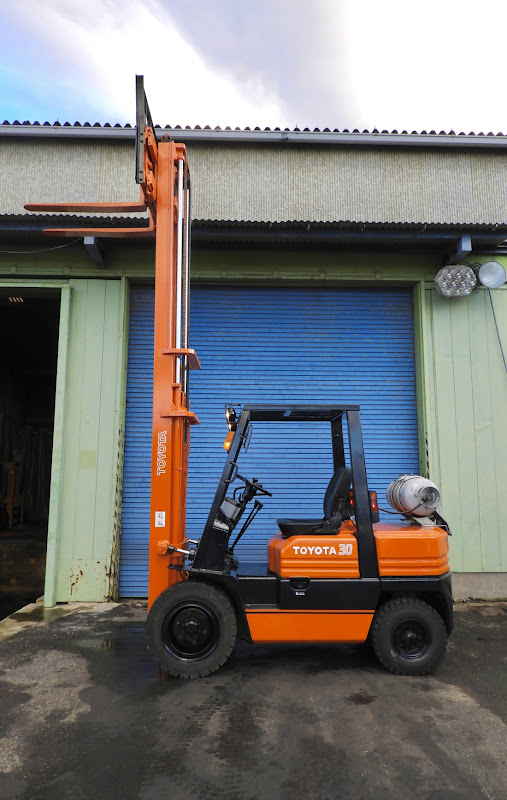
[
  {"x": 209, "y": 232},
  {"x": 207, "y": 136}
]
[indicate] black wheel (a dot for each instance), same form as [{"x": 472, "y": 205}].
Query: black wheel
[
  {"x": 191, "y": 629},
  {"x": 408, "y": 636}
]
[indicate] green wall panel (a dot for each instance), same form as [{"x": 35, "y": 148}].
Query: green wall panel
[
  {"x": 136, "y": 260},
  {"x": 467, "y": 423},
  {"x": 91, "y": 440}
]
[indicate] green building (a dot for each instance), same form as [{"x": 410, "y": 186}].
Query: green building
[{"x": 314, "y": 257}]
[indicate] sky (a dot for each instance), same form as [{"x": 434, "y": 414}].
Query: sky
[{"x": 338, "y": 64}]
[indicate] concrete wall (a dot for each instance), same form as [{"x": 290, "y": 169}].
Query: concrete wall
[{"x": 273, "y": 183}]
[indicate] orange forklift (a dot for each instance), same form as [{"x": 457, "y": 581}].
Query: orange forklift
[{"x": 345, "y": 577}]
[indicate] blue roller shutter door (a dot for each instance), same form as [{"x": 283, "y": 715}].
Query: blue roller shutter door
[
  {"x": 271, "y": 345},
  {"x": 135, "y": 523}
]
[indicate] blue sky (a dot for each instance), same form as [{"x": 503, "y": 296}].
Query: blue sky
[{"x": 321, "y": 63}]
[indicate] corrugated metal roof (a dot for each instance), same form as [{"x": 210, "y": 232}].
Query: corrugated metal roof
[
  {"x": 348, "y": 234},
  {"x": 71, "y": 220},
  {"x": 359, "y": 226},
  {"x": 127, "y": 126},
  {"x": 273, "y": 183},
  {"x": 345, "y": 234},
  {"x": 413, "y": 227},
  {"x": 206, "y": 133}
]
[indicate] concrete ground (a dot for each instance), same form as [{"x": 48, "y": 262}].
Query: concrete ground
[{"x": 83, "y": 715}]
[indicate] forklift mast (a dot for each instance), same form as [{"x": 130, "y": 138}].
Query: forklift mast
[{"x": 163, "y": 173}]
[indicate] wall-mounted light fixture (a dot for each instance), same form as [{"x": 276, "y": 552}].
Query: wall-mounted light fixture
[
  {"x": 492, "y": 275},
  {"x": 461, "y": 279},
  {"x": 455, "y": 281}
]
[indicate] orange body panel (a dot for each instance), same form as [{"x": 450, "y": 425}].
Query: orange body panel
[
  {"x": 402, "y": 549},
  {"x": 309, "y": 626},
  {"x": 411, "y": 550},
  {"x": 315, "y": 556}
]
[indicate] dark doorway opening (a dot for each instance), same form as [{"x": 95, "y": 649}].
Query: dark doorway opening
[{"x": 29, "y": 322}]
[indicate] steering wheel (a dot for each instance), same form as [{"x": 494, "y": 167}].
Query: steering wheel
[{"x": 255, "y": 485}]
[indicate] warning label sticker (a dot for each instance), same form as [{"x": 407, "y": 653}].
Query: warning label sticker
[{"x": 160, "y": 519}]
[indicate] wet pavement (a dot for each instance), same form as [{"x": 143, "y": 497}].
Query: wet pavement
[
  {"x": 84, "y": 715},
  {"x": 9, "y": 605}
]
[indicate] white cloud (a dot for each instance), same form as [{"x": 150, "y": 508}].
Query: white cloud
[
  {"x": 97, "y": 48},
  {"x": 437, "y": 64},
  {"x": 353, "y": 63}
]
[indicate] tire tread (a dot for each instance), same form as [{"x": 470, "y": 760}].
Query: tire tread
[
  {"x": 198, "y": 669},
  {"x": 378, "y": 633}
]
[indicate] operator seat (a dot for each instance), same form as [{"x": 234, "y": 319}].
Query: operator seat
[{"x": 335, "y": 510}]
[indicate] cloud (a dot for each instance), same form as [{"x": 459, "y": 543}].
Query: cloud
[
  {"x": 331, "y": 63},
  {"x": 91, "y": 53},
  {"x": 426, "y": 65},
  {"x": 290, "y": 44}
]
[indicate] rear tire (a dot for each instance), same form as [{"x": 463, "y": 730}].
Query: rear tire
[
  {"x": 408, "y": 636},
  {"x": 191, "y": 629}
]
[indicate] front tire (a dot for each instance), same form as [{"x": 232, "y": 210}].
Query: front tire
[
  {"x": 191, "y": 629},
  {"x": 408, "y": 636}
]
